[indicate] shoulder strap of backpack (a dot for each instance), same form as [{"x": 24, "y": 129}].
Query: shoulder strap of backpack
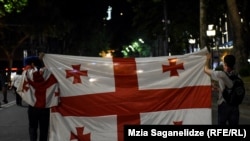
[
  {"x": 232, "y": 77},
  {"x": 227, "y": 75}
]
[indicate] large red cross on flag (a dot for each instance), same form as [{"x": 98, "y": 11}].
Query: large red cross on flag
[
  {"x": 39, "y": 88},
  {"x": 115, "y": 92}
]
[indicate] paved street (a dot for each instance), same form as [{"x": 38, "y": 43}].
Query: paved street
[
  {"x": 244, "y": 110},
  {"x": 14, "y": 120}
]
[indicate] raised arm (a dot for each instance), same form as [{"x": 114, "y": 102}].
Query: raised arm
[{"x": 207, "y": 70}]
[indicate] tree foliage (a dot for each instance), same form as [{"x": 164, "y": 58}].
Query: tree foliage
[
  {"x": 11, "y": 37},
  {"x": 70, "y": 27},
  {"x": 10, "y": 6}
]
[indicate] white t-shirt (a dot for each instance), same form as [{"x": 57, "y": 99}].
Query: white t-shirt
[
  {"x": 223, "y": 81},
  {"x": 17, "y": 80}
]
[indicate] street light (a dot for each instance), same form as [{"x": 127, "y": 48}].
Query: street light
[{"x": 211, "y": 33}]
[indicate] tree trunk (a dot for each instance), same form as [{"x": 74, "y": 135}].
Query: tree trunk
[
  {"x": 203, "y": 24},
  {"x": 10, "y": 55},
  {"x": 238, "y": 43}
]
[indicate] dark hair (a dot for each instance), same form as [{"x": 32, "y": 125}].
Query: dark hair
[
  {"x": 230, "y": 61},
  {"x": 19, "y": 71}
]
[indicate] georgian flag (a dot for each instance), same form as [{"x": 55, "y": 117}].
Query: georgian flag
[
  {"x": 101, "y": 95},
  {"x": 39, "y": 88}
]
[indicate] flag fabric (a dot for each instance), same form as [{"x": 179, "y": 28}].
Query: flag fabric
[
  {"x": 39, "y": 88},
  {"x": 98, "y": 96}
]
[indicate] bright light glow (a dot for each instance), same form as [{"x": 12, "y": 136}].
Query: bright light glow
[
  {"x": 191, "y": 41},
  {"x": 109, "y": 13},
  {"x": 25, "y": 53},
  {"x": 124, "y": 53},
  {"x": 173, "y": 60},
  {"x": 92, "y": 80},
  {"x": 211, "y": 31},
  {"x": 226, "y": 47},
  {"x": 139, "y": 71},
  {"x": 13, "y": 74},
  {"x": 132, "y": 48},
  {"x": 109, "y": 55},
  {"x": 127, "y": 49},
  {"x": 141, "y": 40},
  {"x": 135, "y": 44},
  {"x": 210, "y": 27}
]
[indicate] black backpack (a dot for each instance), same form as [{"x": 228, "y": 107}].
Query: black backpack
[{"x": 235, "y": 95}]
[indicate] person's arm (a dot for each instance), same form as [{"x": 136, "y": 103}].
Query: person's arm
[{"x": 207, "y": 70}]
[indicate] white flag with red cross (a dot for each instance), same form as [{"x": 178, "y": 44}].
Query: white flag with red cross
[
  {"x": 39, "y": 88},
  {"x": 100, "y": 95}
]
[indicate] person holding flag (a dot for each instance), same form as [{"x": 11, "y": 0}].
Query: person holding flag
[
  {"x": 227, "y": 114},
  {"x": 39, "y": 89}
]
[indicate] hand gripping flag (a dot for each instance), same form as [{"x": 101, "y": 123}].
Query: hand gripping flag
[{"x": 101, "y": 95}]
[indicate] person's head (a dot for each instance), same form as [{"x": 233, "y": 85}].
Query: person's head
[
  {"x": 19, "y": 71},
  {"x": 229, "y": 62}
]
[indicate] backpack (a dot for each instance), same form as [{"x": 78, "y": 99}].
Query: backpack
[{"x": 235, "y": 95}]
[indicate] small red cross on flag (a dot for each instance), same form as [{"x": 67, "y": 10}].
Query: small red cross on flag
[{"x": 76, "y": 73}]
